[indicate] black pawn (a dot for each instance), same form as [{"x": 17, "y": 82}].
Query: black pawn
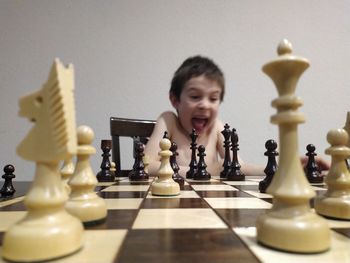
[
  {"x": 312, "y": 171},
  {"x": 202, "y": 173},
  {"x": 227, "y": 158},
  {"x": 176, "y": 176},
  {"x": 8, "y": 189},
  {"x": 271, "y": 166},
  {"x": 235, "y": 173},
  {"x": 105, "y": 175},
  {"x": 193, "y": 164},
  {"x": 138, "y": 171}
]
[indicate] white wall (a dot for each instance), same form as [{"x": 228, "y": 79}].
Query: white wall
[{"x": 125, "y": 53}]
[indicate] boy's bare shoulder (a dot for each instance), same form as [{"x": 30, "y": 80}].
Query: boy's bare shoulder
[
  {"x": 219, "y": 126},
  {"x": 168, "y": 115},
  {"x": 167, "y": 121},
  {"x": 168, "y": 118}
]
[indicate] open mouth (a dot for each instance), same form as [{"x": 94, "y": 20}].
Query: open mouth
[{"x": 199, "y": 124}]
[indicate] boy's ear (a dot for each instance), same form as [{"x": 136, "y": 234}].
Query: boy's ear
[{"x": 174, "y": 101}]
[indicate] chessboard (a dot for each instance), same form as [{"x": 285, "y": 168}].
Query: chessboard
[{"x": 210, "y": 221}]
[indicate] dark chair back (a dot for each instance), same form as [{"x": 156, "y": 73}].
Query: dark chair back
[{"x": 138, "y": 130}]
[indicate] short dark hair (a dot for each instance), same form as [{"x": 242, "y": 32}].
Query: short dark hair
[{"x": 195, "y": 67}]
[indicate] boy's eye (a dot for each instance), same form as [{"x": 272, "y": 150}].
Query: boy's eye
[
  {"x": 213, "y": 99},
  {"x": 194, "y": 97}
]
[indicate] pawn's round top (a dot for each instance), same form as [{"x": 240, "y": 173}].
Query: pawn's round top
[
  {"x": 337, "y": 137},
  {"x": 164, "y": 144},
  {"x": 9, "y": 169},
  {"x": 106, "y": 144},
  {"x": 201, "y": 148},
  {"x": 85, "y": 134},
  {"x": 284, "y": 47},
  {"x": 310, "y": 148},
  {"x": 271, "y": 145}
]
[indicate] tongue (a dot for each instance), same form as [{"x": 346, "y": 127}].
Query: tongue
[{"x": 198, "y": 124}]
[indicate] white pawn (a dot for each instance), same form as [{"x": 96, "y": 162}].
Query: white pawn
[
  {"x": 336, "y": 201},
  {"x": 165, "y": 185},
  {"x": 145, "y": 160},
  {"x": 113, "y": 168},
  {"x": 83, "y": 202}
]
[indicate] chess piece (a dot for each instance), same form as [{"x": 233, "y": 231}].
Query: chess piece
[
  {"x": 83, "y": 202},
  {"x": 105, "y": 174},
  {"x": 227, "y": 158},
  {"x": 113, "y": 169},
  {"x": 291, "y": 219},
  {"x": 66, "y": 173},
  {"x": 193, "y": 163},
  {"x": 164, "y": 185},
  {"x": 312, "y": 171},
  {"x": 166, "y": 135},
  {"x": 8, "y": 189},
  {"x": 47, "y": 231},
  {"x": 176, "y": 176},
  {"x": 271, "y": 166},
  {"x": 202, "y": 173},
  {"x": 235, "y": 173},
  {"x": 138, "y": 171},
  {"x": 335, "y": 203},
  {"x": 145, "y": 160}
]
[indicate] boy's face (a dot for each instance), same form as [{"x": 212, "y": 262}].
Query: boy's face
[{"x": 198, "y": 104}]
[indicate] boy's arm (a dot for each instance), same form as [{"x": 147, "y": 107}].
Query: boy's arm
[
  {"x": 252, "y": 169},
  {"x": 257, "y": 170},
  {"x": 164, "y": 123}
]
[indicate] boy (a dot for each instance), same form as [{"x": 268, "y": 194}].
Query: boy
[{"x": 196, "y": 91}]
